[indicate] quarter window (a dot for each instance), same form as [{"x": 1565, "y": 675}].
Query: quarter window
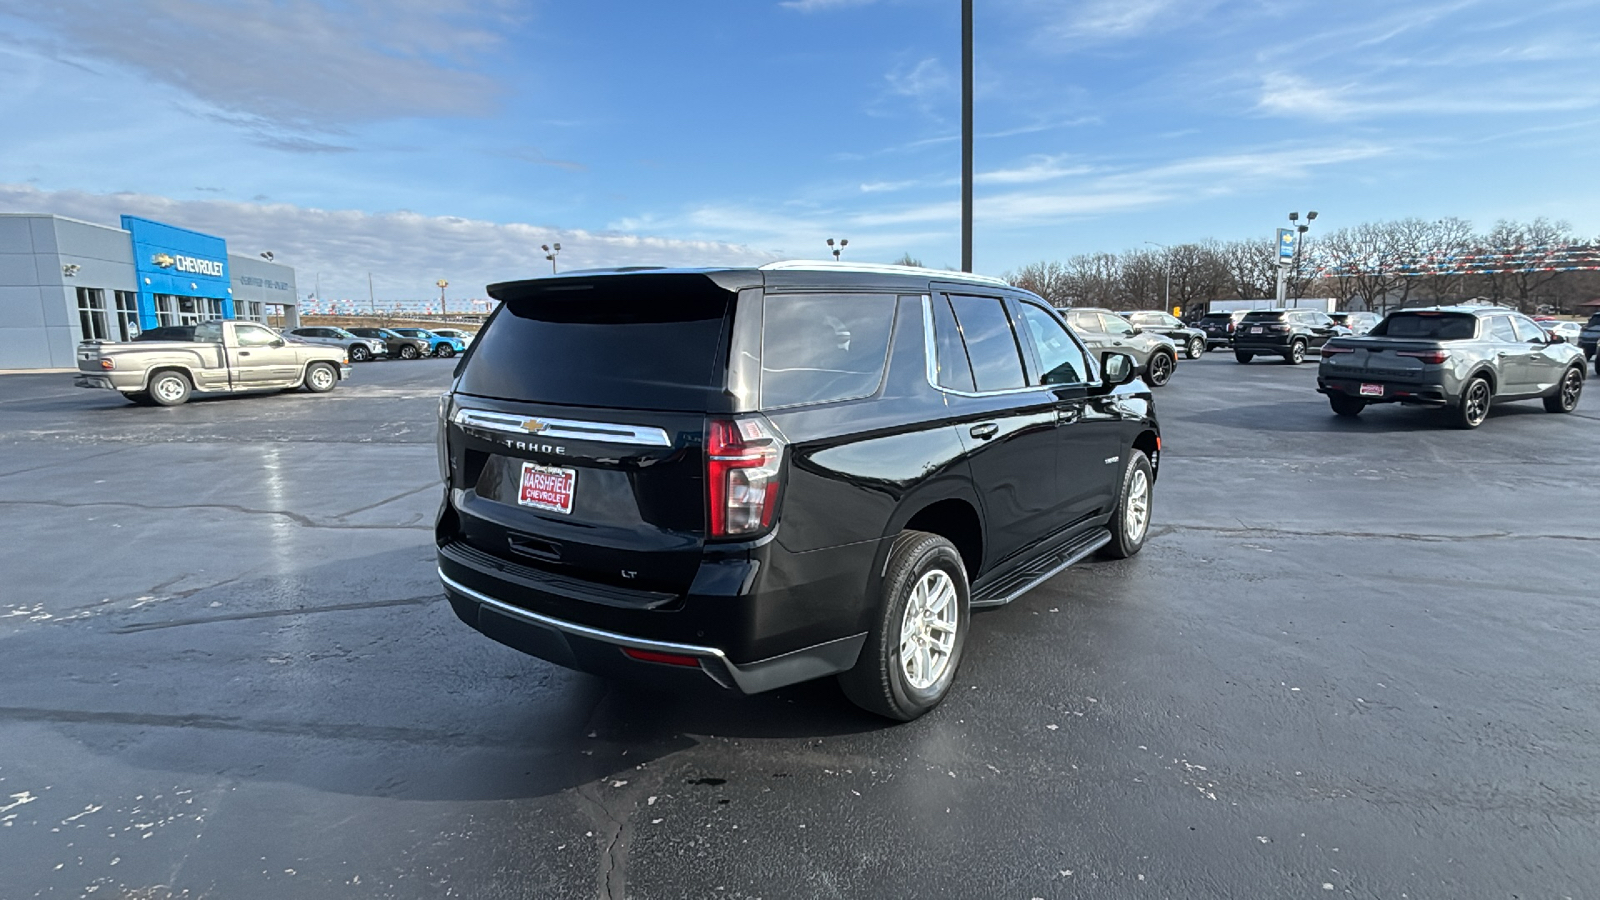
[
  {"x": 818, "y": 348},
  {"x": 950, "y": 356},
  {"x": 991, "y": 345},
  {"x": 1060, "y": 358}
]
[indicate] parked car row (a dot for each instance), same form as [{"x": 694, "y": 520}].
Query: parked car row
[{"x": 365, "y": 344}]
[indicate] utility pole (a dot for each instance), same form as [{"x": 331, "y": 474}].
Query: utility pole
[
  {"x": 966, "y": 135},
  {"x": 443, "y": 309},
  {"x": 371, "y": 297}
]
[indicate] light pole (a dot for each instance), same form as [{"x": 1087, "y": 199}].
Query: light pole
[
  {"x": 550, "y": 254},
  {"x": 442, "y": 284},
  {"x": 1167, "y": 253},
  {"x": 843, "y": 242},
  {"x": 966, "y": 135},
  {"x": 1300, "y": 230}
]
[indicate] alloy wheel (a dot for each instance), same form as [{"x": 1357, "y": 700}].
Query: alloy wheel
[
  {"x": 1136, "y": 512},
  {"x": 1160, "y": 369},
  {"x": 928, "y": 630},
  {"x": 1571, "y": 389},
  {"x": 1476, "y": 402}
]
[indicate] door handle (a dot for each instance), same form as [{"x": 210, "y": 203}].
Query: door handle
[
  {"x": 985, "y": 431},
  {"x": 1068, "y": 415},
  {"x": 244, "y": 352}
]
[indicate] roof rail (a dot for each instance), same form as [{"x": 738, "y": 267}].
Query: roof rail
[{"x": 810, "y": 265}]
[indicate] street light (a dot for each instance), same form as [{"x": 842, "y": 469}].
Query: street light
[
  {"x": 550, "y": 254},
  {"x": 1166, "y": 252},
  {"x": 1283, "y": 269},
  {"x": 843, "y": 242},
  {"x": 441, "y": 284},
  {"x": 266, "y": 255}
]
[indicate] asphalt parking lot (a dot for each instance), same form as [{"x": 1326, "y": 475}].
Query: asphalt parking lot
[{"x": 1356, "y": 658}]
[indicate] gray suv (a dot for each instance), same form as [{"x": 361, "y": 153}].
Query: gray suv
[
  {"x": 359, "y": 349},
  {"x": 1103, "y": 330}
]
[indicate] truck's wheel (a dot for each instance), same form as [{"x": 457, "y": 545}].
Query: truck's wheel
[
  {"x": 1565, "y": 399},
  {"x": 911, "y": 655},
  {"x": 320, "y": 378},
  {"x": 1130, "y": 522},
  {"x": 1346, "y": 405},
  {"x": 408, "y": 352},
  {"x": 170, "y": 388}
]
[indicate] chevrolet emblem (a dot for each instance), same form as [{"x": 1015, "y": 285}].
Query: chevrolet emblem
[
  {"x": 163, "y": 260},
  {"x": 534, "y": 426}
]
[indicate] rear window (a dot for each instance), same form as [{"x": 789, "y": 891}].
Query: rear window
[
  {"x": 1594, "y": 319},
  {"x": 817, "y": 348},
  {"x": 1430, "y": 326},
  {"x": 1267, "y": 316},
  {"x": 631, "y": 343},
  {"x": 1216, "y": 317}
]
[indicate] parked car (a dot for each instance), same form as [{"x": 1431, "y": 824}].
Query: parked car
[
  {"x": 1192, "y": 340},
  {"x": 1570, "y": 332},
  {"x": 1589, "y": 336},
  {"x": 1289, "y": 333},
  {"x": 1356, "y": 322},
  {"x": 1459, "y": 358},
  {"x": 1156, "y": 356},
  {"x": 464, "y": 336},
  {"x": 167, "y": 333},
  {"x": 224, "y": 357},
  {"x": 1219, "y": 326},
  {"x": 765, "y": 476},
  {"x": 359, "y": 349},
  {"x": 438, "y": 344},
  {"x": 398, "y": 345}
]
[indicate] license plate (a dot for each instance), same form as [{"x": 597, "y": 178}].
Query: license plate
[
  {"x": 547, "y": 487},
  {"x": 1255, "y": 329},
  {"x": 1372, "y": 390}
]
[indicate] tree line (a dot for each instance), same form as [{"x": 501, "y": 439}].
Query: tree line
[{"x": 1378, "y": 266}]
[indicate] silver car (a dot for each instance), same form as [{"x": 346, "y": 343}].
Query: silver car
[
  {"x": 1103, "y": 330},
  {"x": 360, "y": 349}
]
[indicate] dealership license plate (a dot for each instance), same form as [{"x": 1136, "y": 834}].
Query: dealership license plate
[
  {"x": 547, "y": 487},
  {"x": 1255, "y": 329},
  {"x": 1372, "y": 390}
]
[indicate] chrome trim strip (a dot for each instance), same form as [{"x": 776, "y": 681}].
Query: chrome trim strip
[
  {"x": 1075, "y": 558},
  {"x": 562, "y": 429},
  {"x": 610, "y": 637},
  {"x": 808, "y": 265}
]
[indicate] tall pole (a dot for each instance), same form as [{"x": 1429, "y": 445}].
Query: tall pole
[
  {"x": 371, "y": 297},
  {"x": 966, "y": 135}
]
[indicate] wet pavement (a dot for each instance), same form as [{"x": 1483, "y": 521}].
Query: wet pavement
[{"x": 1356, "y": 658}]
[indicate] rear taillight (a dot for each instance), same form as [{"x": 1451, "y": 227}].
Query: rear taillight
[
  {"x": 442, "y": 438},
  {"x": 108, "y": 364},
  {"x": 1333, "y": 351},
  {"x": 1427, "y": 356},
  {"x": 1230, "y": 326},
  {"x": 743, "y": 459}
]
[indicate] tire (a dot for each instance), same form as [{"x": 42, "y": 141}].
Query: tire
[
  {"x": 1197, "y": 347},
  {"x": 445, "y": 351},
  {"x": 1297, "y": 353},
  {"x": 359, "y": 353},
  {"x": 1159, "y": 370},
  {"x": 923, "y": 570},
  {"x": 409, "y": 352},
  {"x": 170, "y": 388},
  {"x": 1242, "y": 356},
  {"x": 1346, "y": 405},
  {"x": 1130, "y": 523},
  {"x": 1565, "y": 399},
  {"x": 321, "y": 378},
  {"x": 1476, "y": 397}
]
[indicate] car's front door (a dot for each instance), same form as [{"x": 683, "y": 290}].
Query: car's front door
[
  {"x": 1542, "y": 368},
  {"x": 261, "y": 358}
]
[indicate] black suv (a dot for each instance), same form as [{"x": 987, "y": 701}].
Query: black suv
[
  {"x": 1589, "y": 338},
  {"x": 764, "y": 476},
  {"x": 1288, "y": 333},
  {"x": 1218, "y": 327}
]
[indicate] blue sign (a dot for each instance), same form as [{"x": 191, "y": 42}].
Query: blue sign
[
  {"x": 178, "y": 263},
  {"x": 1286, "y": 239}
]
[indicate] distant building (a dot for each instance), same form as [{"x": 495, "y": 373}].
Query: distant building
[{"x": 63, "y": 281}]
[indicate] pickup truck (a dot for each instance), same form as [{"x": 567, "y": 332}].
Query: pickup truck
[{"x": 225, "y": 357}]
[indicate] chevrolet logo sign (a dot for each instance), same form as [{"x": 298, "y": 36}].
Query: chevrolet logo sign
[
  {"x": 534, "y": 426},
  {"x": 163, "y": 260}
]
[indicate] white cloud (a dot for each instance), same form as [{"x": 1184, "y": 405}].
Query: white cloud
[
  {"x": 1039, "y": 168},
  {"x": 405, "y": 252},
  {"x": 820, "y": 5}
]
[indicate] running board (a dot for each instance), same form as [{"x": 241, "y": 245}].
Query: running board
[{"x": 1025, "y": 578}]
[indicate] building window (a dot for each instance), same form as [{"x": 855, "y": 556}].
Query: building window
[
  {"x": 211, "y": 307},
  {"x": 167, "y": 309},
  {"x": 253, "y": 311},
  {"x": 127, "y": 315},
  {"x": 92, "y": 314}
]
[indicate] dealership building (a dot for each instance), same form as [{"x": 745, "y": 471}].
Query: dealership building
[{"x": 63, "y": 281}]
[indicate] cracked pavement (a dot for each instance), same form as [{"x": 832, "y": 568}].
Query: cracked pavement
[{"x": 1355, "y": 658}]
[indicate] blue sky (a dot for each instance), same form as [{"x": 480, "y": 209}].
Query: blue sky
[{"x": 421, "y": 139}]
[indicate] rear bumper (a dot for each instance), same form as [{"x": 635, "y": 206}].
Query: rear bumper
[
  {"x": 93, "y": 381},
  {"x": 1393, "y": 392},
  {"x": 1257, "y": 345},
  {"x": 600, "y": 652}
]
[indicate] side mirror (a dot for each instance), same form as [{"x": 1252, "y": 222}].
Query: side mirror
[
  {"x": 276, "y": 342},
  {"x": 1117, "y": 369},
  {"x": 1555, "y": 338}
]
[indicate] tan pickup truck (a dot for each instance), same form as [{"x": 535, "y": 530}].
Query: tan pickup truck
[{"x": 225, "y": 357}]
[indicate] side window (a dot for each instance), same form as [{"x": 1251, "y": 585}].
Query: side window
[
  {"x": 253, "y": 336},
  {"x": 1114, "y": 324},
  {"x": 817, "y": 348},
  {"x": 1500, "y": 329},
  {"x": 1171, "y": 321},
  {"x": 1528, "y": 331},
  {"x": 950, "y": 355},
  {"x": 991, "y": 345},
  {"x": 208, "y": 332},
  {"x": 1084, "y": 321},
  {"x": 1060, "y": 358}
]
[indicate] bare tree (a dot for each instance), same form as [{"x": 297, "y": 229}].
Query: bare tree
[
  {"x": 1249, "y": 265},
  {"x": 1200, "y": 273},
  {"x": 1142, "y": 280},
  {"x": 907, "y": 259},
  {"x": 1049, "y": 280},
  {"x": 1523, "y": 249},
  {"x": 1092, "y": 279}
]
